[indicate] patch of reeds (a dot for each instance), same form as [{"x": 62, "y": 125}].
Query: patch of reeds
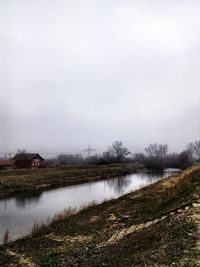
[
  {"x": 89, "y": 205},
  {"x": 64, "y": 214},
  {"x": 6, "y": 237},
  {"x": 38, "y": 227}
]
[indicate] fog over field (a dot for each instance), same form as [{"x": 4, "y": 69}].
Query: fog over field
[{"x": 80, "y": 72}]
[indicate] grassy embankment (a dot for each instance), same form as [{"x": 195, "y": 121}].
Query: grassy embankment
[
  {"x": 158, "y": 225},
  {"x": 27, "y": 180}
]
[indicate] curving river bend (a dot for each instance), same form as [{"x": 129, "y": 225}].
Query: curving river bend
[{"x": 19, "y": 213}]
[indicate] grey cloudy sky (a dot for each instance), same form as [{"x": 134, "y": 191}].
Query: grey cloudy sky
[{"x": 79, "y": 72}]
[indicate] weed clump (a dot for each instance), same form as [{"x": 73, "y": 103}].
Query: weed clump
[
  {"x": 64, "y": 214},
  {"x": 6, "y": 237}
]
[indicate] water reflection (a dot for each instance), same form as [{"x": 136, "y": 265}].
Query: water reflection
[
  {"x": 119, "y": 184},
  {"x": 26, "y": 199},
  {"x": 19, "y": 213},
  {"x": 126, "y": 183}
]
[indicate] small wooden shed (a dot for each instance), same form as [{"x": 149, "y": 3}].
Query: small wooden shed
[{"x": 28, "y": 160}]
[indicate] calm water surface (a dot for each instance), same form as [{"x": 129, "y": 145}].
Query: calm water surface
[{"x": 18, "y": 214}]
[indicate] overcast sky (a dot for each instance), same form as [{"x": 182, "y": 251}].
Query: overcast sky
[{"x": 79, "y": 72}]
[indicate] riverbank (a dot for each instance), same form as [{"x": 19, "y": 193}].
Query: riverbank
[
  {"x": 155, "y": 226},
  {"x": 16, "y": 181}
]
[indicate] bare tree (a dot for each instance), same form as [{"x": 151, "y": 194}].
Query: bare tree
[
  {"x": 117, "y": 151},
  {"x": 194, "y": 149},
  {"x": 156, "y": 150},
  {"x": 21, "y": 151},
  {"x": 156, "y": 155}
]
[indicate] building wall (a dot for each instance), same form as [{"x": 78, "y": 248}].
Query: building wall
[
  {"x": 25, "y": 164},
  {"x": 36, "y": 163}
]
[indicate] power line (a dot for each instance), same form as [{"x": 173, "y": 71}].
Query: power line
[
  {"x": 89, "y": 150},
  {"x": 44, "y": 153}
]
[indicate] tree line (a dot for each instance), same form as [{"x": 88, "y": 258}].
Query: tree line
[{"x": 155, "y": 156}]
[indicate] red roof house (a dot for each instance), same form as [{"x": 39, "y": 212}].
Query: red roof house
[{"x": 6, "y": 164}]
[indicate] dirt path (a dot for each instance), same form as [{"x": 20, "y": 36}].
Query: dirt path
[{"x": 139, "y": 227}]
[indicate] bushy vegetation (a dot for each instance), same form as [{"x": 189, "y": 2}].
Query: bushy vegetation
[
  {"x": 155, "y": 157},
  {"x": 171, "y": 160},
  {"x": 116, "y": 153}
]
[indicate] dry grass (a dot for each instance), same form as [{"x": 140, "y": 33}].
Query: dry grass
[
  {"x": 6, "y": 237},
  {"x": 64, "y": 214},
  {"x": 38, "y": 227},
  {"x": 61, "y": 216},
  {"x": 89, "y": 205}
]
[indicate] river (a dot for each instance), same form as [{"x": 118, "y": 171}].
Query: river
[{"x": 19, "y": 213}]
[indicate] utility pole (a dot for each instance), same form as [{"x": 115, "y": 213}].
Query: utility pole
[{"x": 89, "y": 150}]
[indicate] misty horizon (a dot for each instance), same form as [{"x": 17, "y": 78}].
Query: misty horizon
[
  {"x": 85, "y": 152},
  {"x": 75, "y": 73}
]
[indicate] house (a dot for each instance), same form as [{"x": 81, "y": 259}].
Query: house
[
  {"x": 6, "y": 164},
  {"x": 28, "y": 160}
]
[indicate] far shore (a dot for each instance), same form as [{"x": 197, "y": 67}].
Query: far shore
[{"x": 18, "y": 181}]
